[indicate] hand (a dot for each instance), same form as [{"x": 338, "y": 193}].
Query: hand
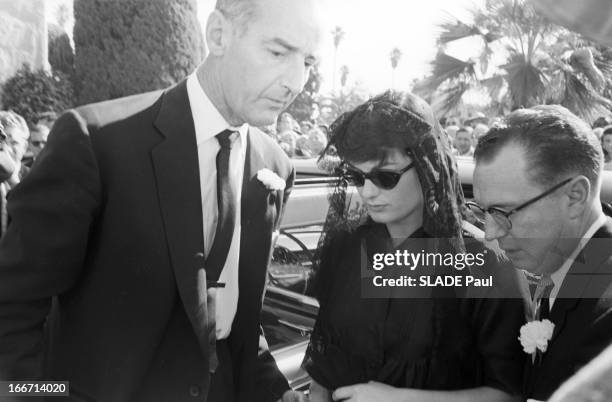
[
  {"x": 370, "y": 392},
  {"x": 294, "y": 396}
]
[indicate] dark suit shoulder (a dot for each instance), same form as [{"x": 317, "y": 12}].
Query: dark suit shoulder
[
  {"x": 270, "y": 145},
  {"x": 272, "y": 152},
  {"x": 105, "y": 112}
]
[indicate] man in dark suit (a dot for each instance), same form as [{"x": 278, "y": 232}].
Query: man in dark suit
[
  {"x": 538, "y": 180},
  {"x": 590, "y": 384},
  {"x": 135, "y": 261}
]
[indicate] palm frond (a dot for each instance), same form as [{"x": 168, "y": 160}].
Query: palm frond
[
  {"x": 491, "y": 36},
  {"x": 446, "y": 67},
  {"x": 495, "y": 86},
  {"x": 583, "y": 100},
  {"x": 583, "y": 62},
  {"x": 455, "y": 30},
  {"x": 603, "y": 61},
  {"x": 526, "y": 82},
  {"x": 449, "y": 99}
]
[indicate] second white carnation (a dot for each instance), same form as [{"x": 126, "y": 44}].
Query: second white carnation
[{"x": 535, "y": 335}]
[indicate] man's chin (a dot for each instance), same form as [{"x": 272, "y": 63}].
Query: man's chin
[{"x": 265, "y": 118}]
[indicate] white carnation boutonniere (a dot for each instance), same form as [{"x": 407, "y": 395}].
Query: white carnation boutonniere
[
  {"x": 534, "y": 336},
  {"x": 270, "y": 179}
]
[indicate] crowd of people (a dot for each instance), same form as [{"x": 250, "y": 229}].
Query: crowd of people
[
  {"x": 299, "y": 140},
  {"x": 20, "y": 144},
  {"x": 307, "y": 139}
]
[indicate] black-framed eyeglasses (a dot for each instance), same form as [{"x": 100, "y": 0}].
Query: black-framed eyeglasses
[
  {"x": 503, "y": 217},
  {"x": 382, "y": 178}
]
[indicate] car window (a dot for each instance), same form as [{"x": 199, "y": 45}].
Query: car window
[{"x": 291, "y": 266}]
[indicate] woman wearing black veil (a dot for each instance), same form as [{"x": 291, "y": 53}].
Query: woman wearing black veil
[{"x": 421, "y": 346}]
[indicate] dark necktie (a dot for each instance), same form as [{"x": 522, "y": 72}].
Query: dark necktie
[
  {"x": 3, "y": 212},
  {"x": 540, "y": 302},
  {"x": 226, "y": 220}
]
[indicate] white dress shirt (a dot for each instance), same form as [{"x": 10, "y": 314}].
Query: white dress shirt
[
  {"x": 559, "y": 275},
  {"x": 208, "y": 122}
]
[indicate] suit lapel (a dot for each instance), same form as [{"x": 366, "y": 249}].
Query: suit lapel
[
  {"x": 582, "y": 276},
  {"x": 175, "y": 162},
  {"x": 251, "y": 187},
  {"x": 257, "y": 221}
]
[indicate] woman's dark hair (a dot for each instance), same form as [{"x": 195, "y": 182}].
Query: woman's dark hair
[
  {"x": 607, "y": 131},
  {"x": 370, "y": 130},
  {"x": 403, "y": 120}
]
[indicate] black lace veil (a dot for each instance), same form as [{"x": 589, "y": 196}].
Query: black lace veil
[{"x": 407, "y": 122}]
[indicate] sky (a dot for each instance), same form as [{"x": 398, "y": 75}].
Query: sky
[{"x": 373, "y": 28}]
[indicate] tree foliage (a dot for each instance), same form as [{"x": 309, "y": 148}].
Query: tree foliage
[
  {"x": 61, "y": 54},
  {"x": 334, "y": 104},
  {"x": 523, "y": 60},
  {"x": 132, "y": 46},
  {"x": 305, "y": 104},
  {"x": 32, "y": 93}
]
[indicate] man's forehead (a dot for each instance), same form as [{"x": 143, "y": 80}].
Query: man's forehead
[
  {"x": 504, "y": 178},
  {"x": 294, "y": 23}
]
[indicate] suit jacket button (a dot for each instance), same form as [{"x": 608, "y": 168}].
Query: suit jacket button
[{"x": 194, "y": 391}]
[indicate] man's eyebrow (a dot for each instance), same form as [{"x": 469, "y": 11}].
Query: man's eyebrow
[
  {"x": 283, "y": 43},
  {"x": 291, "y": 48}
]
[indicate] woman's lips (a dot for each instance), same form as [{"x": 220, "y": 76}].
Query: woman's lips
[{"x": 376, "y": 207}]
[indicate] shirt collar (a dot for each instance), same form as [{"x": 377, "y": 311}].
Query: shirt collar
[
  {"x": 559, "y": 275},
  {"x": 207, "y": 120}
]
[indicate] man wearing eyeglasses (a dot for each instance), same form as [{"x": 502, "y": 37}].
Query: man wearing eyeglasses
[{"x": 537, "y": 185}]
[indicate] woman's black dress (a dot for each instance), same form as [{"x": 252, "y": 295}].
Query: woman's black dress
[{"x": 432, "y": 343}]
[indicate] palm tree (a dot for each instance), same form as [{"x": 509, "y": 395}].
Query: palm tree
[
  {"x": 344, "y": 72},
  {"x": 338, "y": 34},
  {"x": 541, "y": 63},
  {"x": 394, "y": 57}
]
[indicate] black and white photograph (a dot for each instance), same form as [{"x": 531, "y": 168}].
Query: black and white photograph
[{"x": 306, "y": 200}]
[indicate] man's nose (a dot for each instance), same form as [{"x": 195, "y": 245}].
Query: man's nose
[{"x": 295, "y": 76}]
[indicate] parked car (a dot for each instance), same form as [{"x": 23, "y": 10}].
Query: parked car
[{"x": 289, "y": 309}]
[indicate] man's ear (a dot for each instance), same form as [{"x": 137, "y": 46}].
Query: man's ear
[
  {"x": 218, "y": 33},
  {"x": 578, "y": 192}
]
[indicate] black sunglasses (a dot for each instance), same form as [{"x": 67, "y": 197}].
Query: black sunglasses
[{"x": 382, "y": 178}]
